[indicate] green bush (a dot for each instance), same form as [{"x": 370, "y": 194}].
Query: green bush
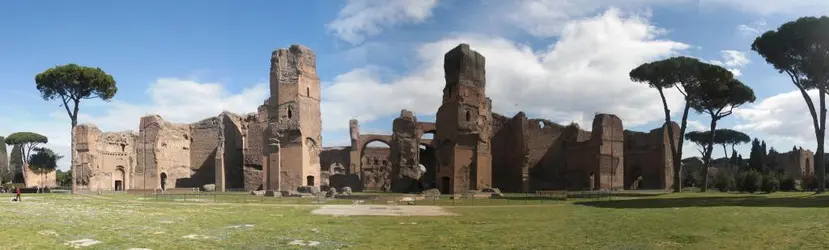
[
  {"x": 771, "y": 183},
  {"x": 752, "y": 181},
  {"x": 724, "y": 182},
  {"x": 789, "y": 184}
]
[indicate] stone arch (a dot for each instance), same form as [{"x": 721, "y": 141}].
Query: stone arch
[
  {"x": 163, "y": 181},
  {"x": 119, "y": 179}
]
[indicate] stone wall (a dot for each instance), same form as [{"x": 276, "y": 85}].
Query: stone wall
[
  {"x": 648, "y": 155},
  {"x": 335, "y": 169},
  {"x": 254, "y": 134},
  {"x": 182, "y": 155},
  {"x": 797, "y": 164},
  {"x": 106, "y": 160},
  {"x": 404, "y": 154},
  {"x": 204, "y": 143},
  {"x": 376, "y": 169}
]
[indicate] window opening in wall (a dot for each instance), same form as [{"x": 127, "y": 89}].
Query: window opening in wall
[
  {"x": 310, "y": 180},
  {"x": 467, "y": 116},
  {"x": 307, "y": 91},
  {"x": 289, "y": 114}
]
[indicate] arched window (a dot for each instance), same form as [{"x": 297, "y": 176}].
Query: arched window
[{"x": 289, "y": 114}]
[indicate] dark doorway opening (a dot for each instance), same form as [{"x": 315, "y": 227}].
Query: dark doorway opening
[
  {"x": 445, "y": 183},
  {"x": 163, "y": 181},
  {"x": 310, "y": 180},
  {"x": 119, "y": 185}
]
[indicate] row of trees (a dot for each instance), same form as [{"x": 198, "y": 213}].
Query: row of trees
[{"x": 800, "y": 49}]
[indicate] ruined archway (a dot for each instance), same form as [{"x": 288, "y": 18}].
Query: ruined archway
[
  {"x": 119, "y": 179},
  {"x": 163, "y": 181},
  {"x": 376, "y": 167}
]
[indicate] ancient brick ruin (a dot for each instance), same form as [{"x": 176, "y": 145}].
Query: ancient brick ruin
[
  {"x": 797, "y": 164},
  {"x": 474, "y": 148},
  {"x": 294, "y": 132},
  {"x": 278, "y": 147}
]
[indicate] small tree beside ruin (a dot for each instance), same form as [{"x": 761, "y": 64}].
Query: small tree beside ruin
[
  {"x": 719, "y": 93},
  {"x": 44, "y": 162},
  {"x": 26, "y": 142},
  {"x": 72, "y": 83},
  {"x": 681, "y": 73}
]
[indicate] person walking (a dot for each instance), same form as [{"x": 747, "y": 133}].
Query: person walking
[{"x": 17, "y": 194}]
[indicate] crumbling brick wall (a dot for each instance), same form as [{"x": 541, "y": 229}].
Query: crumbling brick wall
[
  {"x": 648, "y": 155},
  {"x": 203, "y": 143},
  {"x": 377, "y": 169}
]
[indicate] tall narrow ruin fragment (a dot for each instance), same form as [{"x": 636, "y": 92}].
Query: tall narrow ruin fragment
[
  {"x": 294, "y": 132},
  {"x": 404, "y": 153},
  {"x": 464, "y": 124}
]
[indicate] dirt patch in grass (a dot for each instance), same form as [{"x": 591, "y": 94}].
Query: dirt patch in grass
[{"x": 381, "y": 210}]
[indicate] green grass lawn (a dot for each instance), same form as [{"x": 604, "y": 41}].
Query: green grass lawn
[{"x": 671, "y": 221}]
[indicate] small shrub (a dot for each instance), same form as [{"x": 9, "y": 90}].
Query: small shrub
[
  {"x": 752, "y": 181},
  {"x": 209, "y": 187},
  {"x": 771, "y": 183},
  {"x": 788, "y": 184},
  {"x": 724, "y": 183}
]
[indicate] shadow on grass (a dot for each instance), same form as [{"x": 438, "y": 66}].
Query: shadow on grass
[{"x": 737, "y": 201}]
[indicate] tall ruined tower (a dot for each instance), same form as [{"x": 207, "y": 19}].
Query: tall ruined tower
[
  {"x": 294, "y": 134},
  {"x": 464, "y": 124}
]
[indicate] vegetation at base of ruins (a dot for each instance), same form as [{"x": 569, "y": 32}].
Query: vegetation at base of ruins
[
  {"x": 677, "y": 72},
  {"x": 717, "y": 96},
  {"x": 672, "y": 221},
  {"x": 64, "y": 178},
  {"x": 72, "y": 83},
  {"x": 6, "y": 175},
  {"x": 27, "y": 142},
  {"x": 800, "y": 49}
]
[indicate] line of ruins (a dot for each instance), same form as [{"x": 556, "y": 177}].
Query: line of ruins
[{"x": 279, "y": 147}]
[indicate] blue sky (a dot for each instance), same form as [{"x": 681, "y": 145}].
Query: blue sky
[{"x": 563, "y": 60}]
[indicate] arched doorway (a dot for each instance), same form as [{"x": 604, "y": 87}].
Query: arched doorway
[
  {"x": 163, "y": 181},
  {"x": 376, "y": 167},
  {"x": 119, "y": 178}
]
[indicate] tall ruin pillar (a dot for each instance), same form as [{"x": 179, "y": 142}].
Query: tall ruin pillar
[
  {"x": 294, "y": 135},
  {"x": 405, "y": 153},
  {"x": 464, "y": 124}
]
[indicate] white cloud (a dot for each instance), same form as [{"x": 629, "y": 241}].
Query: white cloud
[
  {"x": 362, "y": 18},
  {"x": 753, "y": 29},
  {"x": 178, "y": 100},
  {"x": 771, "y": 7},
  {"x": 584, "y": 72},
  {"x": 782, "y": 118},
  {"x": 694, "y": 125},
  {"x": 733, "y": 60},
  {"x": 547, "y": 18}
]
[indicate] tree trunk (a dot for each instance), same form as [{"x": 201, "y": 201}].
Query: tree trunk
[
  {"x": 709, "y": 149},
  {"x": 72, "y": 160},
  {"x": 820, "y": 168},
  {"x": 678, "y": 157},
  {"x": 674, "y": 153}
]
